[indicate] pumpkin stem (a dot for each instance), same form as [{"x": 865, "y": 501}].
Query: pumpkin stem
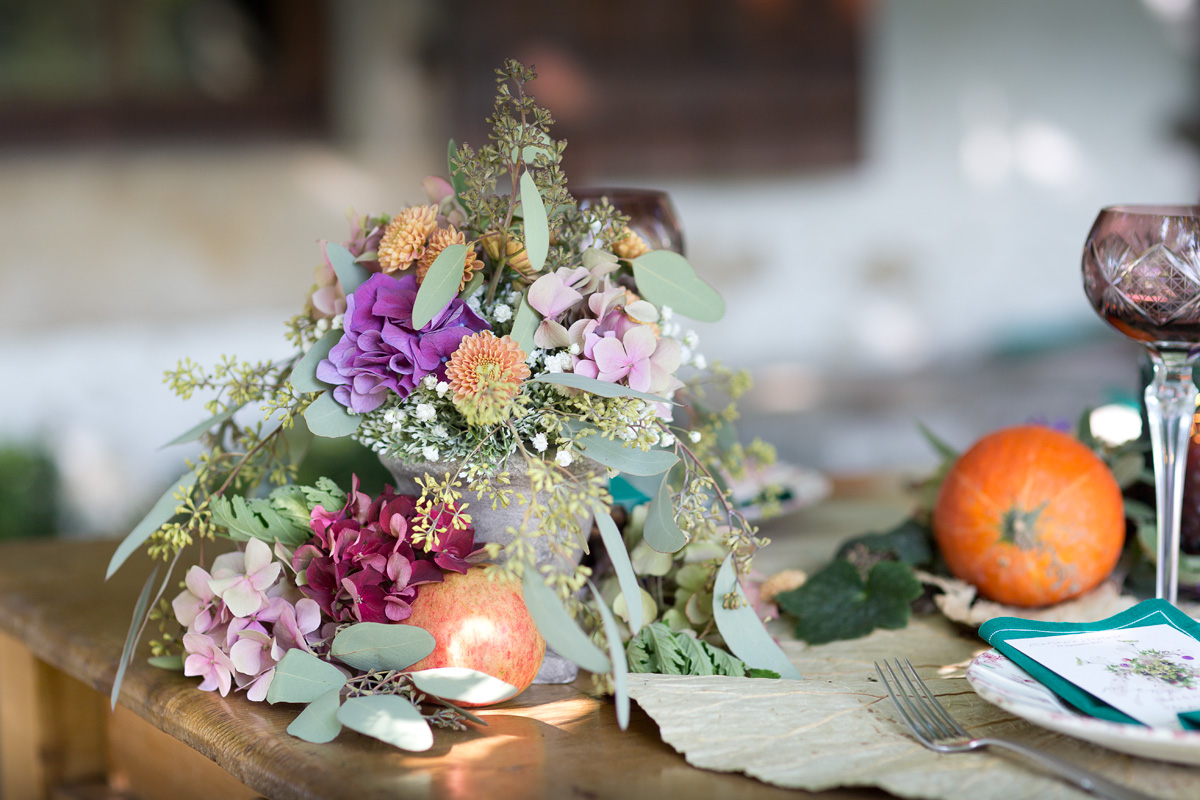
[{"x": 1019, "y": 527}]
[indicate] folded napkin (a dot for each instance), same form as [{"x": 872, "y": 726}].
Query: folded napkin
[{"x": 1000, "y": 631}]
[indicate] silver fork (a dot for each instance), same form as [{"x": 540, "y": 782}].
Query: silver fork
[{"x": 938, "y": 731}]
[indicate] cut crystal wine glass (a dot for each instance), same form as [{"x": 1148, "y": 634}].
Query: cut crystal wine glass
[{"x": 1141, "y": 272}]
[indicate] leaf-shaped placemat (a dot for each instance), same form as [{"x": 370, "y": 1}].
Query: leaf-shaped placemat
[{"x": 842, "y": 731}]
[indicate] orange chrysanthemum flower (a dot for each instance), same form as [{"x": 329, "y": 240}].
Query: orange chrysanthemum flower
[
  {"x": 485, "y": 374},
  {"x": 439, "y": 241},
  {"x": 404, "y": 238},
  {"x": 630, "y": 245}
]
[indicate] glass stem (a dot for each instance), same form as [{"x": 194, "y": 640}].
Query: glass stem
[{"x": 1170, "y": 407}]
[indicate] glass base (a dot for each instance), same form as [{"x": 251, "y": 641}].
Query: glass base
[{"x": 556, "y": 669}]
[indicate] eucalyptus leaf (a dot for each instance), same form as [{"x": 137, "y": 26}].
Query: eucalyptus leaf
[
  {"x": 661, "y": 531},
  {"x": 173, "y": 663},
  {"x": 301, "y": 677},
  {"x": 594, "y": 386},
  {"x": 558, "y": 629},
  {"x": 649, "y": 607},
  {"x": 298, "y": 439},
  {"x": 616, "y": 455},
  {"x": 537, "y": 231},
  {"x": 375, "y": 646},
  {"x": 626, "y": 578},
  {"x": 665, "y": 278},
  {"x": 525, "y": 324},
  {"x": 463, "y": 685},
  {"x": 162, "y": 511},
  {"x": 349, "y": 272},
  {"x": 472, "y": 285},
  {"x": 198, "y": 430},
  {"x": 594, "y": 257},
  {"x": 388, "y": 718},
  {"x": 742, "y": 630},
  {"x": 329, "y": 418},
  {"x": 440, "y": 285},
  {"x": 318, "y": 722},
  {"x": 135, "y": 627},
  {"x": 616, "y": 652},
  {"x": 304, "y": 373}
]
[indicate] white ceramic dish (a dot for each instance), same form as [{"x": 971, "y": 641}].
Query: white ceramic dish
[
  {"x": 804, "y": 487},
  {"x": 1001, "y": 682}
]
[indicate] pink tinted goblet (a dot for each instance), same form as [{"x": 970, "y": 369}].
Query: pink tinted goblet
[
  {"x": 1141, "y": 272},
  {"x": 650, "y": 213}
]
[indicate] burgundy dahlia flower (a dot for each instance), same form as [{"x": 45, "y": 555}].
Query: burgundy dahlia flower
[{"x": 381, "y": 352}]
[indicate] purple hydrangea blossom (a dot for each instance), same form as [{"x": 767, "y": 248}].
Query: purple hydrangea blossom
[{"x": 381, "y": 352}]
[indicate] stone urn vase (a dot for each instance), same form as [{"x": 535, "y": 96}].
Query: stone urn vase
[{"x": 492, "y": 526}]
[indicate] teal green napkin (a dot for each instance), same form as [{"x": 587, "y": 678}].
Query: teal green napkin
[{"x": 1001, "y": 630}]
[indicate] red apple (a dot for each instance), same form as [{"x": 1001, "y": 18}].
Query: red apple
[{"x": 480, "y": 624}]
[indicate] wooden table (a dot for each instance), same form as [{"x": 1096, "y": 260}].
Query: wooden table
[{"x": 61, "y": 632}]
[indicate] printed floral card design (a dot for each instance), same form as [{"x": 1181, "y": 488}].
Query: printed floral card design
[{"x": 1151, "y": 673}]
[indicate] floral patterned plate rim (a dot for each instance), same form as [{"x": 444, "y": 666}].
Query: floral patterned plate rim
[
  {"x": 1002, "y": 683},
  {"x": 801, "y": 486}
]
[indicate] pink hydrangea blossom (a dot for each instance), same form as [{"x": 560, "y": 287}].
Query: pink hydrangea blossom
[
  {"x": 244, "y": 591},
  {"x": 208, "y": 660}
]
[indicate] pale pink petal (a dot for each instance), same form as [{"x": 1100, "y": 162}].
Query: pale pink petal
[
  {"x": 258, "y": 690},
  {"x": 258, "y": 555},
  {"x": 228, "y": 564},
  {"x": 550, "y": 297},
  {"x": 437, "y": 188},
  {"x": 246, "y": 655},
  {"x": 639, "y": 375},
  {"x": 187, "y": 607},
  {"x": 667, "y": 355},
  {"x": 639, "y": 343},
  {"x": 586, "y": 368},
  {"x": 308, "y": 615},
  {"x": 551, "y": 335},
  {"x": 196, "y": 581},
  {"x": 264, "y": 578},
  {"x": 610, "y": 356},
  {"x": 239, "y": 594}
]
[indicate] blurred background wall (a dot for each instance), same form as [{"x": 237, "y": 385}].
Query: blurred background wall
[{"x": 892, "y": 196}]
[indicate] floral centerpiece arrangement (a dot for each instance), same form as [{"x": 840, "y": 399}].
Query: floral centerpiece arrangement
[{"x": 506, "y": 353}]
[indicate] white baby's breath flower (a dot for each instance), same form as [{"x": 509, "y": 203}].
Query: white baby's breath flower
[
  {"x": 691, "y": 339},
  {"x": 685, "y": 354},
  {"x": 694, "y": 436},
  {"x": 473, "y": 302},
  {"x": 397, "y": 428},
  {"x": 430, "y": 382},
  {"x": 390, "y": 417},
  {"x": 558, "y": 362},
  {"x": 574, "y": 349},
  {"x": 440, "y": 431},
  {"x": 322, "y": 325},
  {"x": 539, "y": 443},
  {"x": 441, "y": 388},
  {"x": 430, "y": 453},
  {"x": 337, "y": 322},
  {"x": 502, "y": 313},
  {"x": 513, "y": 298},
  {"x": 699, "y": 361},
  {"x": 666, "y": 439},
  {"x": 425, "y": 412},
  {"x": 564, "y": 458},
  {"x": 666, "y": 312}
]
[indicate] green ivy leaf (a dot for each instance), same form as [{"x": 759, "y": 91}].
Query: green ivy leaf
[
  {"x": 537, "y": 230},
  {"x": 329, "y": 418},
  {"x": 525, "y": 324},
  {"x": 557, "y": 628},
  {"x": 741, "y": 628},
  {"x": 301, "y": 677},
  {"x": 837, "y": 603},
  {"x": 626, "y": 579},
  {"x": 661, "y": 531},
  {"x": 909, "y": 542},
  {"x": 349, "y": 272},
  {"x": 318, "y": 722},
  {"x": 593, "y": 386},
  {"x": 665, "y": 278},
  {"x": 162, "y": 511},
  {"x": 440, "y": 285},
  {"x": 388, "y": 718},
  {"x": 195, "y": 432},
  {"x": 304, "y": 373},
  {"x": 375, "y": 646},
  {"x": 463, "y": 685}
]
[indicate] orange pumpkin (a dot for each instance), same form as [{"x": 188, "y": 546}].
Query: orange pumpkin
[{"x": 1030, "y": 516}]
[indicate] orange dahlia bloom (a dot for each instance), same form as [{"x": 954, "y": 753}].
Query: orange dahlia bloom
[
  {"x": 404, "y": 238},
  {"x": 485, "y": 373},
  {"x": 439, "y": 241}
]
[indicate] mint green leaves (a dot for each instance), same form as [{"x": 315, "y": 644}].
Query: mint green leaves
[
  {"x": 440, "y": 285},
  {"x": 665, "y": 278},
  {"x": 537, "y": 230},
  {"x": 741, "y": 628}
]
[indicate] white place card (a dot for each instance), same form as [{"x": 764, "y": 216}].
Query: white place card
[{"x": 1151, "y": 673}]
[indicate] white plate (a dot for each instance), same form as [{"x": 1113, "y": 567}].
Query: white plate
[
  {"x": 1002, "y": 683},
  {"x": 805, "y": 487}
]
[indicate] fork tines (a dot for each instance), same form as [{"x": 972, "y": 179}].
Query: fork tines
[{"x": 919, "y": 709}]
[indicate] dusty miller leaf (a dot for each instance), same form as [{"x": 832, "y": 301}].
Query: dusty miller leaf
[{"x": 836, "y": 603}]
